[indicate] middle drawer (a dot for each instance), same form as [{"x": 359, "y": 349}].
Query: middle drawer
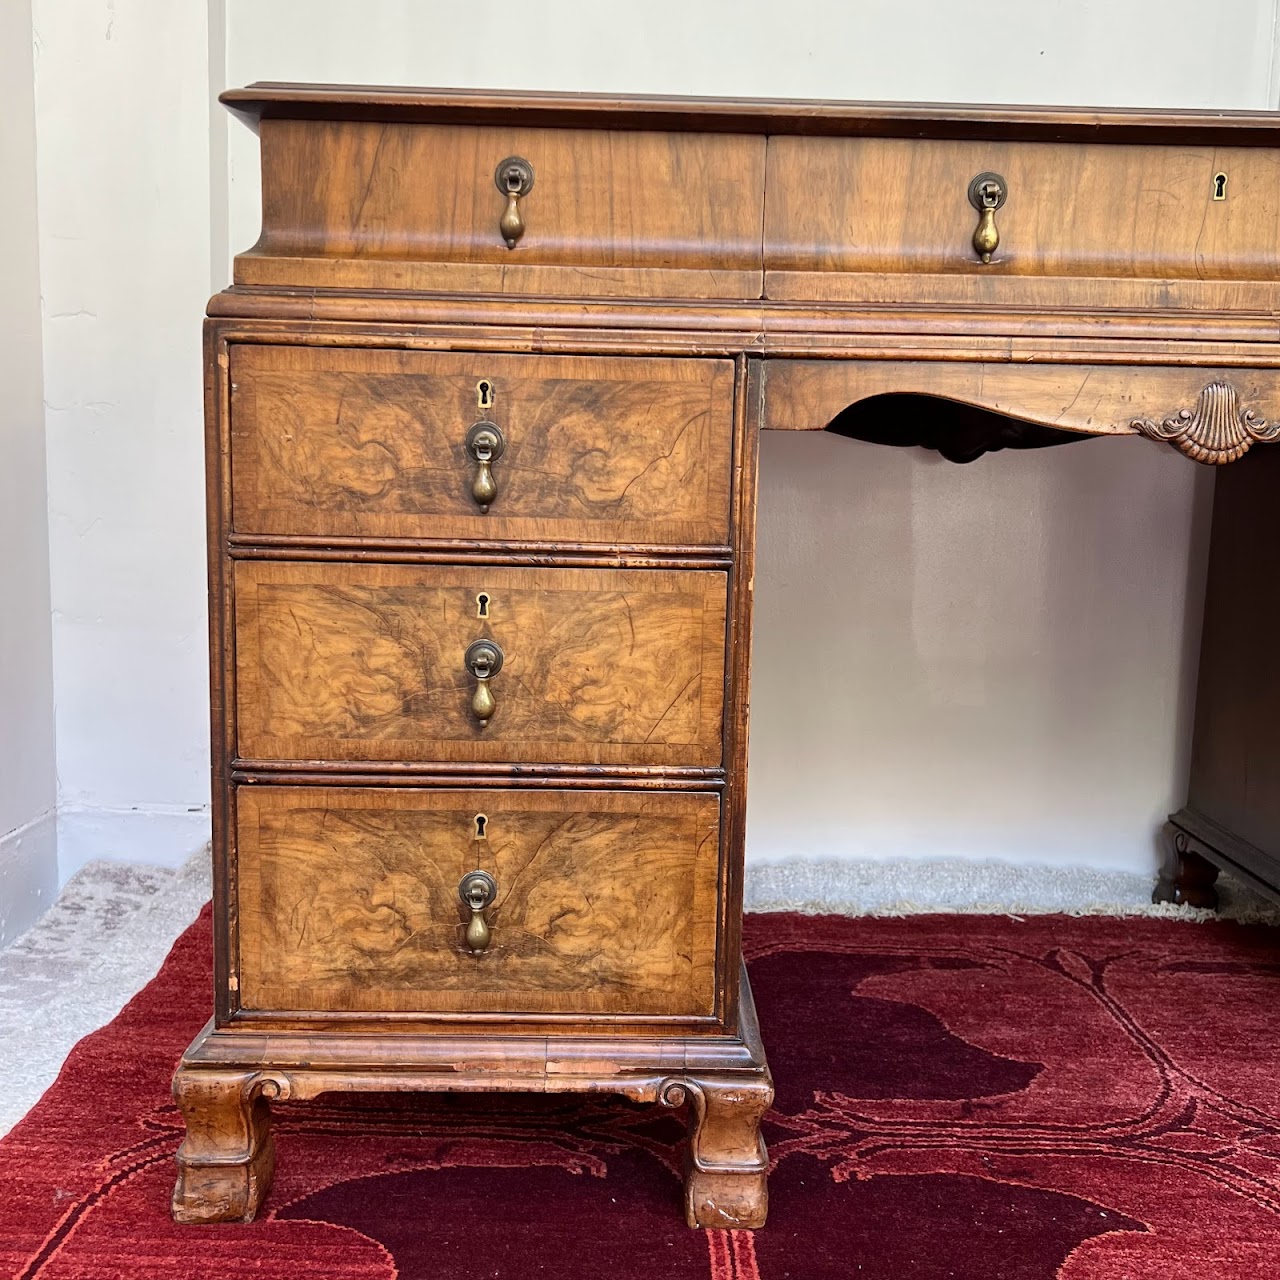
[{"x": 368, "y": 662}]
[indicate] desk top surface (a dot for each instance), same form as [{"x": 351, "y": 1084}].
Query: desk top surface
[{"x": 753, "y": 115}]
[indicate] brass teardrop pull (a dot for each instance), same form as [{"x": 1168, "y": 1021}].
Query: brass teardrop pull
[
  {"x": 477, "y": 891},
  {"x": 987, "y": 193},
  {"x": 514, "y": 178},
  {"x": 483, "y": 660},
  {"x": 485, "y": 443}
]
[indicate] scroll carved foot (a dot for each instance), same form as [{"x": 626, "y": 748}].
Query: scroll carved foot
[
  {"x": 226, "y": 1160},
  {"x": 726, "y": 1167},
  {"x": 1186, "y": 876}
]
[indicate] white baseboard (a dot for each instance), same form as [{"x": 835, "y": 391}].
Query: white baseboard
[
  {"x": 164, "y": 836},
  {"x": 28, "y": 874}
]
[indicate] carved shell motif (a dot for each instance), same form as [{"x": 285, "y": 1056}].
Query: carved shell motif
[{"x": 1217, "y": 430}]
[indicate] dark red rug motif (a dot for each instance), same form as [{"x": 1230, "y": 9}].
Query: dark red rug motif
[{"x": 959, "y": 1098}]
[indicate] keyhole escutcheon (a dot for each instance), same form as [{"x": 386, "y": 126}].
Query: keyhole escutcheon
[
  {"x": 484, "y": 393},
  {"x": 482, "y": 823},
  {"x": 482, "y": 605},
  {"x": 1219, "y": 186}
]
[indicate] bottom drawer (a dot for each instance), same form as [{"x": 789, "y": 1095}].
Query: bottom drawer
[{"x": 606, "y": 901}]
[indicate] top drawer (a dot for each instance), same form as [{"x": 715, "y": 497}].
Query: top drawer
[
  {"x": 363, "y": 204},
  {"x": 359, "y": 442},
  {"x": 890, "y": 220}
]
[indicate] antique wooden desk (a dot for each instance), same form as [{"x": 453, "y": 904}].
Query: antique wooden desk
[{"x": 483, "y": 408}]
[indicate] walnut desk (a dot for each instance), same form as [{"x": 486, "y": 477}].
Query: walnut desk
[{"x": 483, "y": 408}]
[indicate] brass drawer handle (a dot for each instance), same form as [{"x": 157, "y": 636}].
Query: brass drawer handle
[
  {"x": 514, "y": 178},
  {"x": 477, "y": 891},
  {"x": 485, "y": 444},
  {"x": 987, "y": 193},
  {"x": 484, "y": 661}
]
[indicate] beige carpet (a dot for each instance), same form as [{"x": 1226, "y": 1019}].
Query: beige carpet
[{"x": 103, "y": 939}]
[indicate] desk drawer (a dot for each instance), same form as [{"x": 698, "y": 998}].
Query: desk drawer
[
  {"x": 349, "y": 441},
  {"x": 605, "y": 903},
  {"x": 368, "y": 662},
  {"x": 378, "y": 205},
  {"x": 890, "y": 220}
]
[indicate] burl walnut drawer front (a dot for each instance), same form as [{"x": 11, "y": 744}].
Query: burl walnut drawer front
[
  {"x": 371, "y": 662},
  {"x": 385, "y": 444},
  {"x": 356, "y": 204},
  {"x": 605, "y": 902}
]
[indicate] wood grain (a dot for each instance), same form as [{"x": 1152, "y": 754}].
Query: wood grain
[
  {"x": 227, "y": 1158},
  {"x": 748, "y": 407},
  {"x": 726, "y": 1164},
  {"x": 1080, "y": 299},
  {"x": 606, "y": 904},
  {"x": 607, "y": 207},
  {"x": 394, "y": 275},
  {"x": 1235, "y": 756},
  {"x": 919, "y": 330},
  {"x": 354, "y": 441},
  {"x": 217, "y": 459},
  {"x": 364, "y": 662},
  {"x": 805, "y": 395},
  {"x": 892, "y": 207},
  {"x": 266, "y": 100}
]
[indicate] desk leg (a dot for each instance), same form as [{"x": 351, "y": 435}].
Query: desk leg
[
  {"x": 726, "y": 1168},
  {"x": 1186, "y": 876},
  {"x": 227, "y": 1158}
]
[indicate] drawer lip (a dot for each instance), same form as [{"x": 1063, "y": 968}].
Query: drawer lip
[
  {"x": 377, "y": 855},
  {"x": 258, "y": 270},
  {"x": 436, "y": 773},
  {"x": 578, "y": 1049},
  {"x": 446, "y": 551},
  {"x": 535, "y": 1025}
]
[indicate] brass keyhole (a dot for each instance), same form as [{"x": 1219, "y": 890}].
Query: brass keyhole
[
  {"x": 484, "y": 393},
  {"x": 1219, "y": 186},
  {"x": 482, "y": 605},
  {"x": 481, "y": 823}
]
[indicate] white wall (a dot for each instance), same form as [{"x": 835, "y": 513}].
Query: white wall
[
  {"x": 1012, "y": 668},
  {"x": 1008, "y": 649},
  {"x": 28, "y": 855},
  {"x": 122, "y": 99}
]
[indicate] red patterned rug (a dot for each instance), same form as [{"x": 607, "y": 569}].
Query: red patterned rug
[{"x": 968, "y": 1098}]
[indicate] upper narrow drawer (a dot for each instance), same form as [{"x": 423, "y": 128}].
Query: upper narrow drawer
[
  {"x": 363, "y": 204},
  {"x": 357, "y": 441},
  {"x": 890, "y": 220}
]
